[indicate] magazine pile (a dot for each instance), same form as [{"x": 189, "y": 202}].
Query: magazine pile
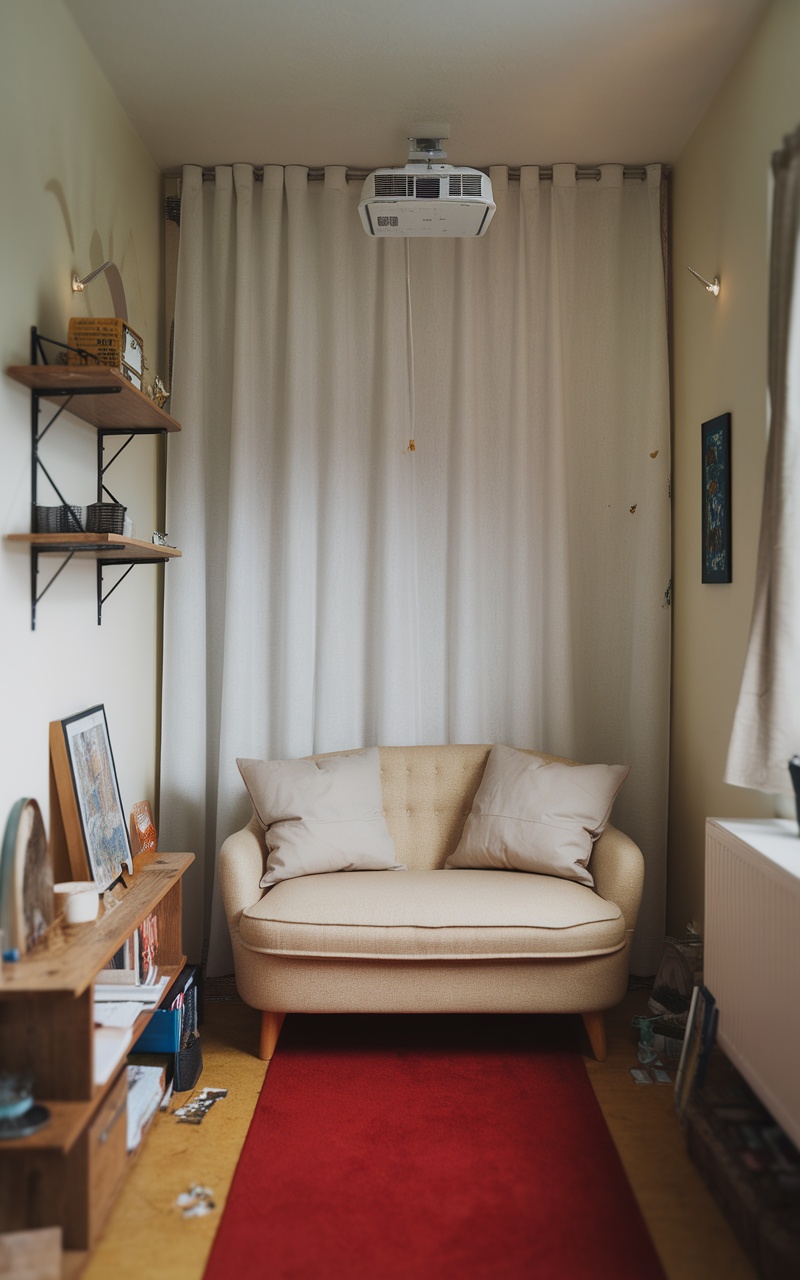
[{"x": 127, "y": 988}]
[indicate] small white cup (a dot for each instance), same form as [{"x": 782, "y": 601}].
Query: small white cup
[{"x": 79, "y": 900}]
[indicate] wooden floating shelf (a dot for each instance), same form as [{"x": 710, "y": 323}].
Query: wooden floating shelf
[
  {"x": 96, "y": 546},
  {"x": 124, "y": 405}
]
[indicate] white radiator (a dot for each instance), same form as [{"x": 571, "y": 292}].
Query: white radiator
[{"x": 752, "y": 956}]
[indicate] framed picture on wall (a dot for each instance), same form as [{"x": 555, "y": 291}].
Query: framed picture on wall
[
  {"x": 93, "y": 774},
  {"x": 716, "y": 484}
]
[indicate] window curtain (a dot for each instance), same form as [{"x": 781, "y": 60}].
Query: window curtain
[
  {"x": 504, "y": 580},
  {"x": 766, "y": 727}
]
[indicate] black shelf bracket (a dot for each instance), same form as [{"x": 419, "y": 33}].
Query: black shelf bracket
[
  {"x": 105, "y": 564},
  {"x": 37, "y": 595}
]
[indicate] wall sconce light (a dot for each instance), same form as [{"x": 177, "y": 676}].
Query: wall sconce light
[
  {"x": 115, "y": 285},
  {"x": 711, "y": 285},
  {"x": 79, "y": 285}
]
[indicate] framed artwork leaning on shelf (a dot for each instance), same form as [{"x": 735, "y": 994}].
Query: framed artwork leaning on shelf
[{"x": 93, "y": 776}]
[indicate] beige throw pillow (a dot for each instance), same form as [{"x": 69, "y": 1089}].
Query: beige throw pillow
[
  {"x": 320, "y": 815},
  {"x": 529, "y": 815}
]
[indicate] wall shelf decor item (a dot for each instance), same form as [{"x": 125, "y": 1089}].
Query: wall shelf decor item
[
  {"x": 106, "y": 341},
  {"x": 144, "y": 837},
  {"x": 26, "y": 878},
  {"x": 105, "y": 399},
  {"x": 90, "y": 806},
  {"x": 716, "y": 485}
]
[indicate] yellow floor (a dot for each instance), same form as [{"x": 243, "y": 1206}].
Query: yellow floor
[{"x": 147, "y": 1235}]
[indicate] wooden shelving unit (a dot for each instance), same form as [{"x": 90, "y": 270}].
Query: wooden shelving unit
[
  {"x": 69, "y": 1172},
  {"x": 105, "y": 400}
]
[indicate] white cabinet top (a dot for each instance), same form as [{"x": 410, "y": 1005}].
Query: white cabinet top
[{"x": 776, "y": 839}]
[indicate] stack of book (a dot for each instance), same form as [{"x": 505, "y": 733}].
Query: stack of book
[
  {"x": 128, "y": 986},
  {"x": 146, "y": 1086}
]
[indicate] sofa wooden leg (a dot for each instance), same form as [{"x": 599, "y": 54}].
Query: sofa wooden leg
[
  {"x": 271, "y": 1024},
  {"x": 595, "y": 1025}
]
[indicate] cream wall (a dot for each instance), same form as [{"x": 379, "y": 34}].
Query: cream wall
[
  {"x": 720, "y": 212},
  {"x": 77, "y": 188}
]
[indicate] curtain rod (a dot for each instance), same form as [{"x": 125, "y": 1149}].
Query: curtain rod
[{"x": 636, "y": 172}]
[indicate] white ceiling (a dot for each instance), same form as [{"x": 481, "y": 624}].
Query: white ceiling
[{"x": 344, "y": 81}]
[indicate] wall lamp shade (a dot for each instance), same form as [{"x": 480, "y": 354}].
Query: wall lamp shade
[{"x": 711, "y": 285}]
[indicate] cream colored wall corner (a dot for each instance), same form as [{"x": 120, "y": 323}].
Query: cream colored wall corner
[
  {"x": 720, "y": 219},
  {"x": 77, "y": 188}
]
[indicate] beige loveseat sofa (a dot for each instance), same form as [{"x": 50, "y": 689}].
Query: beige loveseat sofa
[{"x": 430, "y": 940}]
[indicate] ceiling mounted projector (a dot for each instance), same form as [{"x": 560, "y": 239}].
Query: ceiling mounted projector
[{"x": 426, "y": 199}]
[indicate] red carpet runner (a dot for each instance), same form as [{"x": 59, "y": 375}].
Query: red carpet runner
[{"x": 430, "y": 1148}]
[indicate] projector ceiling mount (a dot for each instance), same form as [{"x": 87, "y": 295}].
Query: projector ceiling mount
[{"x": 429, "y": 149}]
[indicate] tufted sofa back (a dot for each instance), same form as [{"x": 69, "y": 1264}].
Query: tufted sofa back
[{"x": 427, "y": 794}]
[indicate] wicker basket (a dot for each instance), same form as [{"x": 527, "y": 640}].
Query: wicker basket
[
  {"x": 60, "y": 519},
  {"x": 105, "y": 517}
]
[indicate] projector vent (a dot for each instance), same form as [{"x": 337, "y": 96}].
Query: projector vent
[
  {"x": 465, "y": 184},
  {"x": 427, "y": 189},
  {"x": 394, "y": 184},
  {"x": 422, "y": 188}
]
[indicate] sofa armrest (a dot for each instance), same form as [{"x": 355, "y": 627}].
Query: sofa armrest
[
  {"x": 617, "y": 866},
  {"x": 240, "y": 868}
]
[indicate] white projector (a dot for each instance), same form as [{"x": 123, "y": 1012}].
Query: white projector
[{"x": 426, "y": 200}]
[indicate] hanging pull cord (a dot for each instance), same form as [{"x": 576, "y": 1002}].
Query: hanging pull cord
[{"x": 411, "y": 446}]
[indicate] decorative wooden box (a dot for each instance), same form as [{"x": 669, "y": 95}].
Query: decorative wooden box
[{"x": 111, "y": 341}]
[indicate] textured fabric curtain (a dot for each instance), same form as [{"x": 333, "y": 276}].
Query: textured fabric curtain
[
  {"x": 507, "y": 580},
  {"x": 766, "y": 727}
]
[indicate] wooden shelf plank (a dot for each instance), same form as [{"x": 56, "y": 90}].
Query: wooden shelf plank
[
  {"x": 125, "y": 405},
  {"x": 95, "y": 546},
  {"x": 68, "y": 957},
  {"x": 67, "y": 1120}
]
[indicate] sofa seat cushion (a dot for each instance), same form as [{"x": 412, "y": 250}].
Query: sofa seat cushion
[{"x": 451, "y": 915}]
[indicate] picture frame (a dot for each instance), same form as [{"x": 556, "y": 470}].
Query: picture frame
[
  {"x": 701, "y": 1029},
  {"x": 101, "y": 828},
  {"x": 716, "y": 494}
]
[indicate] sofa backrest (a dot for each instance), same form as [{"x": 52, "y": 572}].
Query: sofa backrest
[{"x": 427, "y": 795}]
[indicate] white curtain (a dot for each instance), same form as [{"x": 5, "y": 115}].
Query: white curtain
[
  {"x": 766, "y": 727},
  {"x": 505, "y": 581}
]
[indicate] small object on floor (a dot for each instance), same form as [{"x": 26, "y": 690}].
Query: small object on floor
[
  {"x": 641, "y": 1075},
  {"x": 196, "y": 1202},
  {"x": 654, "y": 1074},
  {"x": 646, "y": 1051},
  {"x": 196, "y": 1109}
]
